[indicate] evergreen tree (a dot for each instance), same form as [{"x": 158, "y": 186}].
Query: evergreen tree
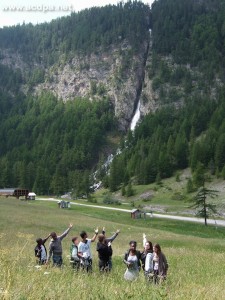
[
  {"x": 113, "y": 178},
  {"x": 123, "y": 190},
  {"x": 199, "y": 175},
  {"x": 200, "y": 203},
  {"x": 130, "y": 190},
  {"x": 219, "y": 152},
  {"x": 181, "y": 151},
  {"x": 223, "y": 172},
  {"x": 190, "y": 186}
]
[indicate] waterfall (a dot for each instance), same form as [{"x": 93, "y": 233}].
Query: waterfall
[
  {"x": 136, "y": 117},
  {"x": 137, "y": 113}
]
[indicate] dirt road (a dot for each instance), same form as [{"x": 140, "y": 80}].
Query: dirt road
[{"x": 215, "y": 222}]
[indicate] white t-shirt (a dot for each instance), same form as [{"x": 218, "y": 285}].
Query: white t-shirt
[
  {"x": 85, "y": 248},
  {"x": 43, "y": 253},
  {"x": 134, "y": 262},
  {"x": 156, "y": 262},
  {"x": 149, "y": 262},
  {"x": 132, "y": 272}
]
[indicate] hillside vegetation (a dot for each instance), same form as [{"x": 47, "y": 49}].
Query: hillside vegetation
[
  {"x": 192, "y": 255},
  {"x": 52, "y": 147}
]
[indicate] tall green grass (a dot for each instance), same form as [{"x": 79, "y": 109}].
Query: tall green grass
[{"x": 195, "y": 254}]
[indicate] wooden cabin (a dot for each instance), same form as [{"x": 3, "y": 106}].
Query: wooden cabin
[
  {"x": 14, "y": 192},
  {"x": 135, "y": 213}
]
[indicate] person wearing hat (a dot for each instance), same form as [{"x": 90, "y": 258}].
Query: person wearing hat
[{"x": 40, "y": 251}]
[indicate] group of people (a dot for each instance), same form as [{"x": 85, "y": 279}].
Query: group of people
[
  {"x": 151, "y": 259},
  {"x": 80, "y": 251}
]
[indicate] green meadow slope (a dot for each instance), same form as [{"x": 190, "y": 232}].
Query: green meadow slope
[{"x": 195, "y": 254}]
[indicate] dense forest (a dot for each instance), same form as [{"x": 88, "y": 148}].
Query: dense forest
[
  {"x": 50, "y": 146},
  {"x": 187, "y": 71},
  {"x": 53, "y": 147},
  {"x": 82, "y": 32},
  {"x": 171, "y": 140}
]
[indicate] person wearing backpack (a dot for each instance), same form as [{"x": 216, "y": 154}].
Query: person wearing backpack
[
  {"x": 132, "y": 260},
  {"x": 40, "y": 251},
  {"x": 74, "y": 258}
]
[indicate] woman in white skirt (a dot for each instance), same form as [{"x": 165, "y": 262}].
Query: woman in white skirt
[{"x": 132, "y": 260}]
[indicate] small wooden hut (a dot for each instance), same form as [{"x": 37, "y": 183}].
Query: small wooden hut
[{"x": 135, "y": 213}]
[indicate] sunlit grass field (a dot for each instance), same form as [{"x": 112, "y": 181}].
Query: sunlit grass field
[{"x": 196, "y": 255}]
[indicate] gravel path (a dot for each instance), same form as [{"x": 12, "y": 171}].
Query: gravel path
[{"x": 153, "y": 215}]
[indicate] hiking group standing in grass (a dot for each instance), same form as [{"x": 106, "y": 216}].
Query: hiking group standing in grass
[{"x": 151, "y": 259}]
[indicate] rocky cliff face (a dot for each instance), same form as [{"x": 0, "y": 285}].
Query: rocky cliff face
[
  {"x": 149, "y": 100},
  {"x": 116, "y": 73}
]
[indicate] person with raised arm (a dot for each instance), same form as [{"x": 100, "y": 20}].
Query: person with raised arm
[
  {"x": 55, "y": 247},
  {"x": 84, "y": 250},
  {"x": 40, "y": 251},
  {"x": 147, "y": 258},
  {"x": 104, "y": 250},
  {"x": 110, "y": 240}
]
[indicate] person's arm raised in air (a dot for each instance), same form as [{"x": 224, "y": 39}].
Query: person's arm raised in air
[
  {"x": 64, "y": 234},
  {"x": 144, "y": 239},
  {"x": 45, "y": 239},
  {"x": 112, "y": 238},
  {"x": 95, "y": 235}
]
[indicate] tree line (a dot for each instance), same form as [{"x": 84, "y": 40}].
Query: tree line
[
  {"x": 82, "y": 32},
  {"x": 49, "y": 146},
  {"x": 193, "y": 32},
  {"x": 170, "y": 140}
]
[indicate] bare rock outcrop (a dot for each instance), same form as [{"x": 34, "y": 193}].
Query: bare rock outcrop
[{"x": 117, "y": 73}]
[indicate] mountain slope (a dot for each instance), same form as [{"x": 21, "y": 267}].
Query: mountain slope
[
  {"x": 170, "y": 58},
  {"x": 97, "y": 52}
]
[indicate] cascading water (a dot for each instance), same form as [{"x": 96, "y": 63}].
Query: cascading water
[
  {"x": 106, "y": 165},
  {"x": 136, "y": 117},
  {"x": 133, "y": 124}
]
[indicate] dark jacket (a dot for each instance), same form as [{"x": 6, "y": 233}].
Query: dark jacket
[
  {"x": 104, "y": 251},
  {"x": 37, "y": 249},
  {"x": 163, "y": 265},
  {"x": 138, "y": 254}
]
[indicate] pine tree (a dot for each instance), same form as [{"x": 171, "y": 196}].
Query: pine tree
[
  {"x": 200, "y": 203},
  {"x": 158, "y": 179},
  {"x": 123, "y": 190},
  {"x": 223, "y": 172},
  {"x": 199, "y": 175},
  {"x": 190, "y": 186},
  {"x": 130, "y": 190},
  {"x": 113, "y": 177}
]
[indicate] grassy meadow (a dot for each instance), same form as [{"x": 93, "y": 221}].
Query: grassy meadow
[
  {"x": 170, "y": 196},
  {"x": 196, "y": 255}
]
